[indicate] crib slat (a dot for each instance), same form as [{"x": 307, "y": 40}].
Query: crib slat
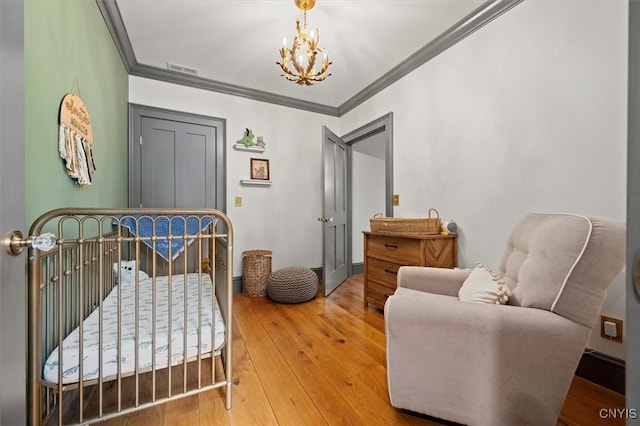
[
  {"x": 80, "y": 286},
  {"x": 185, "y": 308}
]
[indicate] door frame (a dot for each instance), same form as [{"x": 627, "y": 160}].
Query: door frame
[
  {"x": 137, "y": 111},
  {"x": 383, "y": 125},
  {"x": 632, "y": 358}
]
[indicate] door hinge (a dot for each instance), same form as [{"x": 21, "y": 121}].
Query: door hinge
[
  {"x": 140, "y": 140},
  {"x": 140, "y": 205}
]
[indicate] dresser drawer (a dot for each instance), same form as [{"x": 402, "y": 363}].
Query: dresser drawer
[
  {"x": 377, "y": 293},
  {"x": 405, "y": 251},
  {"x": 383, "y": 271},
  {"x": 385, "y": 253}
]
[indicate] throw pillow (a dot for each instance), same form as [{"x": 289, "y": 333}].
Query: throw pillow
[{"x": 484, "y": 286}]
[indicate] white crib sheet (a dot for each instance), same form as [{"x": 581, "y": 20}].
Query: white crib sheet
[{"x": 70, "y": 358}]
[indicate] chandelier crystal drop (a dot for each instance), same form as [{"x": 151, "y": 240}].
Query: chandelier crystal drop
[{"x": 305, "y": 62}]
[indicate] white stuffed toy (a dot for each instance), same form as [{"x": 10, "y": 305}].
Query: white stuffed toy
[{"x": 128, "y": 271}]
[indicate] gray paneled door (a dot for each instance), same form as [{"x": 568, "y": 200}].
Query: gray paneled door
[
  {"x": 13, "y": 288},
  {"x": 335, "y": 209},
  {"x": 177, "y": 160}
]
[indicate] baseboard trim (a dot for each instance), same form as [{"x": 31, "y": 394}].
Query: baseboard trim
[
  {"x": 603, "y": 370},
  {"x": 357, "y": 268},
  {"x": 237, "y": 284}
]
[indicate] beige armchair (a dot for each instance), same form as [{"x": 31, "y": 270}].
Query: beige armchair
[{"x": 491, "y": 364}]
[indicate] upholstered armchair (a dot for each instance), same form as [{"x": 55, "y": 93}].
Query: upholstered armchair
[{"x": 502, "y": 364}]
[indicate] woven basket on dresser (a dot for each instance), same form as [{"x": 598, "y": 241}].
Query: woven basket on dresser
[
  {"x": 256, "y": 268},
  {"x": 428, "y": 225}
]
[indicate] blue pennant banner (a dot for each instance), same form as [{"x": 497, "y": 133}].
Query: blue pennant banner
[{"x": 164, "y": 226}]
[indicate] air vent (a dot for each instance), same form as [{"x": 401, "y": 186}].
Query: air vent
[{"x": 183, "y": 69}]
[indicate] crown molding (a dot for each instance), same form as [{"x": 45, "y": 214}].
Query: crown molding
[
  {"x": 115, "y": 24},
  {"x": 168, "y": 76},
  {"x": 481, "y": 16},
  {"x": 113, "y": 19}
]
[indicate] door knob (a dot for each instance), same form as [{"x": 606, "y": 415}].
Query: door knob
[
  {"x": 325, "y": 219},
  {"x": 14, "y": 242}
]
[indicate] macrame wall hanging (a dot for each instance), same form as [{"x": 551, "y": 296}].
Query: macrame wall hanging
[{"x": 75, "y": 138}]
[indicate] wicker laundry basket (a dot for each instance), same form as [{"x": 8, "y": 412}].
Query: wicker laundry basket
[{"x": 256, "y": 268}]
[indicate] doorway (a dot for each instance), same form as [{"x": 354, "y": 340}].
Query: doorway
[
  {"x": 368, "y": 167},
  {"x": 370, "y": 181}
]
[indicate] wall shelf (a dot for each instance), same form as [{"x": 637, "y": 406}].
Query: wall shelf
[
  {"x": 238, "y": 147},
  {"x": 255, "y": 182}
]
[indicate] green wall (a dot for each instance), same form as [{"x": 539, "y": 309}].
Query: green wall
[{"x": 67, "y": 39}]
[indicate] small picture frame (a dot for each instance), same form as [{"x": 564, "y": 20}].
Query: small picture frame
[{"x": 259, "y": 169}]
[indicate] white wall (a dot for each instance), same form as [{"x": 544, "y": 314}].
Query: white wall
[
  {"x": 282, "y": 217},
  {"x": 368, "y": 182},
  {"x": 527, "y": 114}
]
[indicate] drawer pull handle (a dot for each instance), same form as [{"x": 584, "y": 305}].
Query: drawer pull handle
[
  {"x": 391, "y": 271},
  {"x": 394, "y": 246}
]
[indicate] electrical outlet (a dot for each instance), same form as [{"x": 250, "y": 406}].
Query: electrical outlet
[
  {"x": 238, "y": 201},
  {"x": 396, "y": 200},
  {"x": 611, "y": 328}
]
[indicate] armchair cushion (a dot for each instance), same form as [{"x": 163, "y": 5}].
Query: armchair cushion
[
  {"x": 483, "y": 286},
  {"x": 563, "y": 263}
]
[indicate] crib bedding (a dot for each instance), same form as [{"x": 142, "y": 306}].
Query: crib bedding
[{"x": 71, "y": 345}]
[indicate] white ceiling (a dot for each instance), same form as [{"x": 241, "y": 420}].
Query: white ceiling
[{"x": 236, "y": 43}]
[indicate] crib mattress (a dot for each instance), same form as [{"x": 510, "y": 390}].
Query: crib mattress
[{"x": 90, "y": 369}]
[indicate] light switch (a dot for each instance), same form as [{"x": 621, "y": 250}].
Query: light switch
[{"x": 238, "y": 201}]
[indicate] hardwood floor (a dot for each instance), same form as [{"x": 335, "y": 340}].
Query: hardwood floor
[{"x": 322, "y": 363}]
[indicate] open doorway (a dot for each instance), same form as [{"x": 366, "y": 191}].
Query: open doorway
[
  {"x": 370, "y": 181},
  {"x": 357, "y": 183},
  {"x": 365, "y": 157}
]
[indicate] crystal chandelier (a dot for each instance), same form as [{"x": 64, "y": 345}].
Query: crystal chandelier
[{"x": 299, "y": 63}]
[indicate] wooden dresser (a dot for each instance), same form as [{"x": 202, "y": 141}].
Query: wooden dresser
[{"x": 385, "y": 253}]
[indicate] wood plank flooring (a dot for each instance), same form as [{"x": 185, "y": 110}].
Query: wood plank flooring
[{"x": 321, "y": 363}]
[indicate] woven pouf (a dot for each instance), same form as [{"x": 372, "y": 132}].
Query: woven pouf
[{"x": 293, "y": 284}]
